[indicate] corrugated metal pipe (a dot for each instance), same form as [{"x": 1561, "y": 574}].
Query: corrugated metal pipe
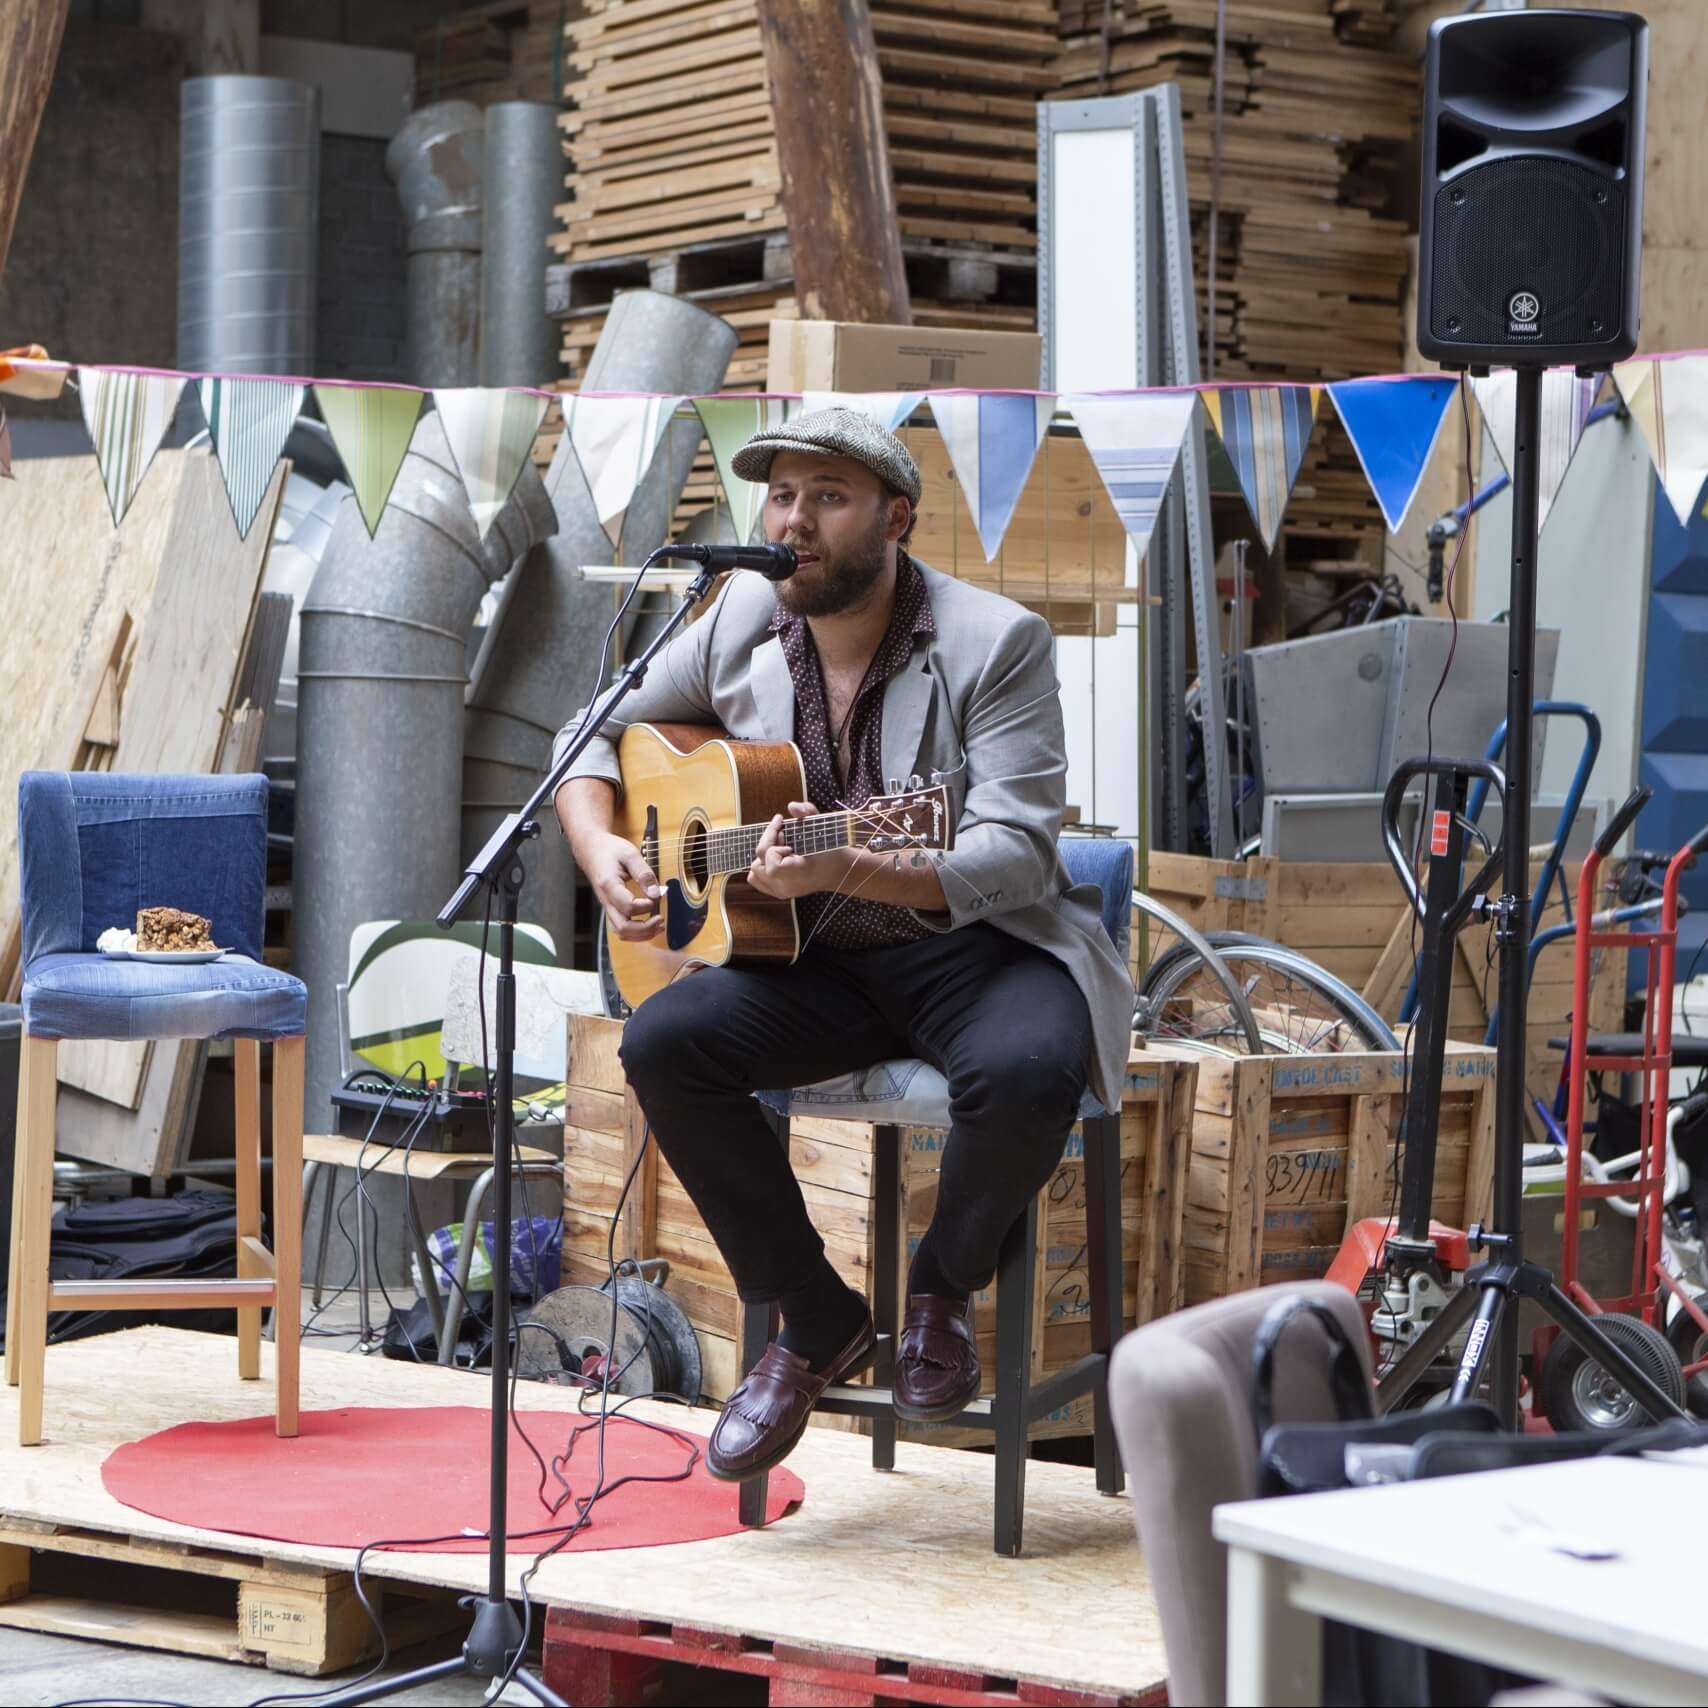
[
  {"x": 248, "y": 225},
  {"x": 380, "y": 714},
  {"x": 541, "y": 659},
  {"x": 436, "y": 161},
  {"x": 524, "y": 182}
]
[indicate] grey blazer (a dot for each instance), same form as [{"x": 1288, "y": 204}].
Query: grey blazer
[{"x": 979, "y": 703}]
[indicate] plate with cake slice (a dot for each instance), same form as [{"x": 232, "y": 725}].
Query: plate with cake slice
[{"x": 166, "y": 934}]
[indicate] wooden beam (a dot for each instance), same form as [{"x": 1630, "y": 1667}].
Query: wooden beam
[
  {"x": 30, "y": 33},
  {"x": 837, "y": 193}
]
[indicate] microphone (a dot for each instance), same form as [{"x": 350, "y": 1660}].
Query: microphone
[{"x": 775, "y": 563}]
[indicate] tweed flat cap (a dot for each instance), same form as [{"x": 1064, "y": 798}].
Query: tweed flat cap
[{"x": 835, "y": 432}]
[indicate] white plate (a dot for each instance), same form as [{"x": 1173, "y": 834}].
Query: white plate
[{"x": 182, "y": 957}]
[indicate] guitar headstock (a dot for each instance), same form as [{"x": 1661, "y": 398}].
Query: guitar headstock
[{"x": 913, "y": 818}]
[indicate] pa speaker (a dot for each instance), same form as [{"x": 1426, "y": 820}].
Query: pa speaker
[{"x": 1531, "y": 225}]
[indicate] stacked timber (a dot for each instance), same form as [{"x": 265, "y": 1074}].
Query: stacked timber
[
  {"x": 1310, "y": 262},
  {"x": 507, "y": 51}
]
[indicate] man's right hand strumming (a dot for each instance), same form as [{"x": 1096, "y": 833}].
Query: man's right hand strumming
[{"x": 627, "y": 887}]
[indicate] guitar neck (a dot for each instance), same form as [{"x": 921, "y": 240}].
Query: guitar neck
[{"x": 733, "y": 850}]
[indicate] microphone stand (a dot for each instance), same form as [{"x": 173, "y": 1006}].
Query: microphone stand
[{"x": 490, "y": 1650}]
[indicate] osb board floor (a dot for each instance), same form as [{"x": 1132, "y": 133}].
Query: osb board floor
[{"x": 896, "y": 1564}]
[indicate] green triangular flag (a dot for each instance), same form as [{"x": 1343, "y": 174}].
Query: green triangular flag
[{"x": 371, "y": 426}]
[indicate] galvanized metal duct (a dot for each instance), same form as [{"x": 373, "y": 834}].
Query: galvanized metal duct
[
  {"x": 248, "y": 225},
  {"x": 380, "y": 714},
  {"x": 541, "y": 660},
  {"x": 523, "y": 170},
  {"x": 435, "y": 161}
]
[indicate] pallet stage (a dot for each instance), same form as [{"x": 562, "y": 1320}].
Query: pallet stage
[{"x": 892, "y": 1574}]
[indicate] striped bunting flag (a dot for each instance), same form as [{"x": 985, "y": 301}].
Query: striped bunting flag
[
  {"x": 127, "y": 416},
  {"x": 248, "y": 421},
  {"x": 491, "y": 434},
  {"x": 888, "y": 408},
  {"x": 1135, "y": 442},
  {"x": 615, "y": 438},
  {"x": 1669, "y": 402},
  {"x": 992, "y": 443},
  {"x": 1264, "y": 430},
  {"x": 1566, "y": 403},
  {"x": 1393, "y": 426},
  {"x": 371, "y": 427},
  {"x": 730, "y": 422}
]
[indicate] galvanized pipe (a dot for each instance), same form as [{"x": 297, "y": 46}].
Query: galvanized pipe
[
  {"x": 380, "y": 714},
  {"x": 435, "y": 161},
  {"x": 523, "y": 167},
  {"x": 541, "y": 660},
  {"x": 248, "y": 225}
]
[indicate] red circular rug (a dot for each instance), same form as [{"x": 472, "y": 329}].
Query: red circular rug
[{"x": 366, "y": 1474}]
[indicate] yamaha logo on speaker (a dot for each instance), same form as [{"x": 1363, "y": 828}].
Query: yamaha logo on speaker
[{"x": 1523, "y": 315}]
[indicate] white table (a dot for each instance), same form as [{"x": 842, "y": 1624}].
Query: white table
[{"x": 1473, "y": 1565}]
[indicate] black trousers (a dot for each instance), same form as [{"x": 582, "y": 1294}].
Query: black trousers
[{"x": 1003, "y": 1022}]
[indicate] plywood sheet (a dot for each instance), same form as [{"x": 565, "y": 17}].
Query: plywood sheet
[
  {"x": 67, "y": 577},
  {"x": 1075, "y": 1611}
]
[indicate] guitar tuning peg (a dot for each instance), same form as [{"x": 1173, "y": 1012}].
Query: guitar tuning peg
[
  {"x": 916, "y": 781},
  {"x": 937, "y": 779},
  {"x": 892, "y": 785}
]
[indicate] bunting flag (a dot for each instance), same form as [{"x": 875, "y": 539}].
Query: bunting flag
[
  {"x": 1393, "y": 426},
  {"x": 1566, "y": 403},
  {"x": 491, "y": 435},
  {"x": 1669, "y": 402},
  {"x": 248, "y": 421},
  {"x": 371, "y": 427},
  {"x": 1135, "y": 442},
  {"x": 127, "y": 416},
  {"x": 615, "y": 438},
  {"x": 992, "y": 443},
  {"x": 888, "y": 408},
  {"x": 5, "y": 448},
  {"x": 1264, "y": 430},
  {"x": 730, "y": 422}
]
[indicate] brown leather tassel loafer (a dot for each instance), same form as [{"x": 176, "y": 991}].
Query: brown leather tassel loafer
[
  {"x": 937, "y": 1363},
  {"x": 767, "y": 1414}
]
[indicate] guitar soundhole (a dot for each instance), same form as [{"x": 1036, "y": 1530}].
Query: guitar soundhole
[{"x": 695, "y": 857}]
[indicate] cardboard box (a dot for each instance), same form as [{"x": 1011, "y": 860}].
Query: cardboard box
[{"x": 834, "y": 355}]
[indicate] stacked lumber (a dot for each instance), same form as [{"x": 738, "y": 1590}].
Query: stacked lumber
[
  {"x": 507, "y": 51},
  {"x": 1316, "y": 109}
]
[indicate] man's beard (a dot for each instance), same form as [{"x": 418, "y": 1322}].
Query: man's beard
[{"x": 840, "y": 581}]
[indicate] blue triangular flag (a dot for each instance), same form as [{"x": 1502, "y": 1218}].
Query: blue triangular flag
[
  {"x": 992, "y": 441},
  {"x": 1393, "y": 425}
]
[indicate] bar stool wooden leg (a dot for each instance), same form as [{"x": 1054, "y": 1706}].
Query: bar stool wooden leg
[
  {"x": 888, "y": 1257},
  {"x": 758, "y": 1325},
  {"x": 15, "y": 1249},
  {"x": 287, "y": 1227},
  {"x": 246, "y": 1059},
  {"x": 38, "y": 1087},
  {"x": 1104, "y": 1270},
  {"x": 1017, "y": 1277}
]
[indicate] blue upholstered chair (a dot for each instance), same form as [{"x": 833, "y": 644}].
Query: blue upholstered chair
[
  {"x": 897, "y": 1094},
  {"x": 93, "y": 849}
]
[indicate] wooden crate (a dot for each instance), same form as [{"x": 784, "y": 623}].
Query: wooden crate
[
  {"x": 1352, "y": 918},
  {"x": 834, "y": 1163},
  {"x": 1289, "y": 1151},
  {"x": 1156, "y": 1122},
  {"x": 229, "y": 1605}
]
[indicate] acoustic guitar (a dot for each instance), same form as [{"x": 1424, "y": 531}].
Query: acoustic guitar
[{"x": 696, "y": 803}]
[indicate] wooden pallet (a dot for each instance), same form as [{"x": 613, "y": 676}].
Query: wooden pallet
[
  {"x": 191, "y": 1600},
  {"x": 603, "y": 1662}
]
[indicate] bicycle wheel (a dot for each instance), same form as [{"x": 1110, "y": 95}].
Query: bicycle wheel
[
  {"x": 1235, "y": 1031},
  {"x": 1299, "y": 1007}
]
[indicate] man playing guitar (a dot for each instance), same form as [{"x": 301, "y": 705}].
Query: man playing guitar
[{"x": 983, "y": 961}]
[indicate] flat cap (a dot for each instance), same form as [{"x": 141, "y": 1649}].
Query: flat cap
[{"x": 834, "y": 432}]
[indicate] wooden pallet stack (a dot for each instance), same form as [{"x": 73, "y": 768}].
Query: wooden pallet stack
[
  {"x": 1316, "y": 107},
  {"x": 506, "y": 51}
]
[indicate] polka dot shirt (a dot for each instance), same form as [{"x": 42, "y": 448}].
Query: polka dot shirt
[{"x": 835, "y": 921}]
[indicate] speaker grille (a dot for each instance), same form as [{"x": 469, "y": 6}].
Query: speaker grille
[{"x": 1528, "y": 225}]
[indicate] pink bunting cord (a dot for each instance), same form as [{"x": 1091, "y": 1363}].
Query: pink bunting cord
[{"x": 779, "y": 396}]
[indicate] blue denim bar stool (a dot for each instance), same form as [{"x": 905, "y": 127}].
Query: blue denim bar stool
[
  {"x": 899, "y": 1094},
  {"x": 94, "y": 849}
]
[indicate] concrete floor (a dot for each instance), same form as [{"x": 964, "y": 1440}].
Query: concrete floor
[{"x": 36, "y": 1668}]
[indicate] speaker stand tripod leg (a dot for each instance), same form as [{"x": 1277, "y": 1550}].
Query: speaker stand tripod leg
[{"x": 1421, "y": 1355}]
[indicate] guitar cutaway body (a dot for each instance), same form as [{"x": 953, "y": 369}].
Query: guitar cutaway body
[{"x": 680, "y": 783}]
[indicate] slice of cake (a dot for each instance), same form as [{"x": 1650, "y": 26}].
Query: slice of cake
[{"x": 169, "y": 930}]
